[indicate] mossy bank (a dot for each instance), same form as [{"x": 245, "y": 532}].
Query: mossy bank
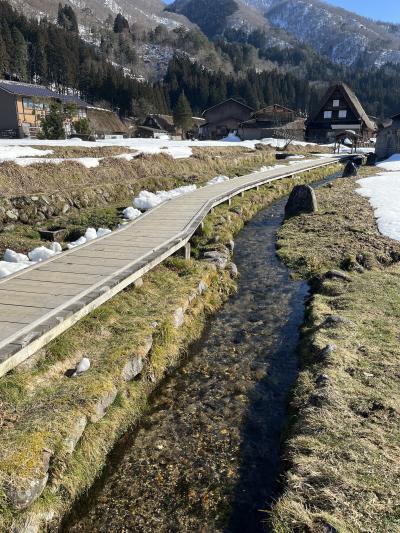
[
  {"x": 56, "y": 430},
  {"x": 343, "y": 441}
]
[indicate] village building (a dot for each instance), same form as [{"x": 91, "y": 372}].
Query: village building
[
  {"x": 159, "y": 126},
  {"x": 23, "y": 107},
  {"x": 224, "y": 118},
  {"x": 105, "y": 124},
  {"x": 339, "y": 110},
  {"x": 388, "y": 139},
  {"x": 273, "y": 121}
]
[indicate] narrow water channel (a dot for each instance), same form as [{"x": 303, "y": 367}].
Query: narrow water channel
[{"x": 206, "y": 458}]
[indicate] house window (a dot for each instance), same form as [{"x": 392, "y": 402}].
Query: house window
[
  {"x": 343, "y": 113},
  {"x": 327, "y": 114},
  {"x": 28, "y": 103},
  {"x": 336, "y": 103}
]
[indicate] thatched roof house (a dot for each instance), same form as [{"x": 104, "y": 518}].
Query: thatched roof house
[
  {"x": 339, "y": 110},
  {"x": 104, "y": 123}
]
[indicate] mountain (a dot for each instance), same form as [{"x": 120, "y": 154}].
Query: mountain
[
  {"x": 214, "y": 17},
  {"x": 341, "y": 35},
  {"x": 143, "y": 13}
]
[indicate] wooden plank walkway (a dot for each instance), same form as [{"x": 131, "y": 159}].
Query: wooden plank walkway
[{"x": 42, "y": 301}]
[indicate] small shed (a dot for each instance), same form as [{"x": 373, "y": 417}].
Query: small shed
[
  {"x": 347, "y": 138},
  {"x": 388, "y": 139}
]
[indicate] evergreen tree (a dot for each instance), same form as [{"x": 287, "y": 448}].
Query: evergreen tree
[
  {"x": 19, "y": 57},
  {"x": 52, "y": 126},
  {"x": 82, "y": 127},
  {"x": 121, "y": 25},
  {"x": 66, "y": 18},
  {"x": 183, "y": 115}
]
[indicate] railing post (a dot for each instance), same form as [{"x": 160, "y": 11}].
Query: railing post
[
  {"x": 187, "y": 251},
  {"x": 229, "y": 201}
]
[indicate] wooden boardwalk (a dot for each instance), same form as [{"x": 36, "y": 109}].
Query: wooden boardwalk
[{"x": 40, "y": 302}]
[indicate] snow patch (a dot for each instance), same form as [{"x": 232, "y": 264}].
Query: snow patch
[
  {"x": 37, "y": 255},
  {"x": 130, "y": 213},
  {"x": 391, "y": 164},
  {"x": 218, "y": 179},
  {"x": 383, "y": 192},
  {"x": 147, "y": 200}
]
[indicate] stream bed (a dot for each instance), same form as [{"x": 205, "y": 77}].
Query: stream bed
[{"x": 206, "y": 457}]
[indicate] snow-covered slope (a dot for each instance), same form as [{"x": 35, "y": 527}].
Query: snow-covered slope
[
  {"x": 341, "y": 35},
  {"x": 144, "y": 13}
]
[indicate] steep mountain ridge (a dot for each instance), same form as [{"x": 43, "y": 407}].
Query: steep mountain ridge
[
  {"x": 214, "y": 17},
  {"x": 343, "y": 36},
  {"x": 144, "y": 13}
]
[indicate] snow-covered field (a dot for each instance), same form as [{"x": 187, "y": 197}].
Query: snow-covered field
[
  {"x": 24, "y": 153},
  {"x": 383, "y": 192}
]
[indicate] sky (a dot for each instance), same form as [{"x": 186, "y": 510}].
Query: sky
[{"x": 386, "y": 10}]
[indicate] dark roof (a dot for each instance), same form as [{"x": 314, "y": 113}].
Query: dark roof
[
  {"x": 353, "y": 100},
  {"x": 226, "y": 101},
  {"x": 273, "y": 107},
  {"x": 298, "y": 124},
  {"x": 40, "y": 91}
]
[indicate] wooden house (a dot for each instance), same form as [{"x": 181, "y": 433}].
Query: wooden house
[
  {"x": 224, "y": 118},
  {"x": 158, "y": 126},
  {"x": 273, "y": 121},
  {"x": 388, "y": 138},
  {"x": 339, "y": 110},
  {"x": 23, "y": 106}
]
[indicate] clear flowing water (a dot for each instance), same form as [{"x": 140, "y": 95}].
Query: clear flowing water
[{"x": 206, "y": 457}]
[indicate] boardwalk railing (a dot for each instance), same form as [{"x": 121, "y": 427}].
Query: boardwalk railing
[{"x": 41, "y": 302}]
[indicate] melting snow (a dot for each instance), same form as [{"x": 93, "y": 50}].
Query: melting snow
[
  {"x": 383, "y": 192},
  {"x": 130, "y": 213},
  {"x": 148, "y": 200},
  {"x": 393, "y": 163},
  {"x": 218, "y": 179}
]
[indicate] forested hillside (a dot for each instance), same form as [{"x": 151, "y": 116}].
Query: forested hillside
[{"x": 240, "y": 64}]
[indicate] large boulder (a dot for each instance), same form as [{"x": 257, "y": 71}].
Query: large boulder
[
  {"x": 302, "y": 199},
  {"x": 351, "y": 169}
]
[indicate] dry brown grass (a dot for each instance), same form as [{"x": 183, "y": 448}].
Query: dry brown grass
[
  {"x": 158, "y": 169},
  {"x": 343, "y": 443}
]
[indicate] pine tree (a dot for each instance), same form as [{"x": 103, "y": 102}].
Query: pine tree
[
  {"x": 52, "y": 125},
  {"x": 121, "y": 25},
  {"x": 66, "y": 18},
  {"x": 183, "y": 115},
  {"x": 19, "y": 58}
]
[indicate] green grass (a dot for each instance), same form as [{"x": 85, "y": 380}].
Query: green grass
[
  {"x": 343, "y": 439},
  {"x": 43, "y": 405}
]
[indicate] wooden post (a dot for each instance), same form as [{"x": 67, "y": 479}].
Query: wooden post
[
  {"x": 187, "y": 251},
  {"x": 230, "y": 202},
  {"x": 242, "y": 194},
  {"x": 257, "y": 188}
]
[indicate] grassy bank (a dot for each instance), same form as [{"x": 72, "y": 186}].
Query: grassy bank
[
  {"x": 147, "y": 171},
  {"x": 343, "y": 443},
  {"x": 57, "y": 430}
]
